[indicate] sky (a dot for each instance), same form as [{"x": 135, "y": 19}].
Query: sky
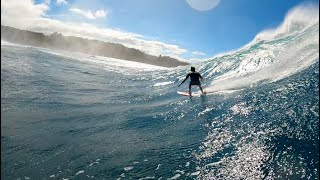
[{"x": 185, "y": 29}]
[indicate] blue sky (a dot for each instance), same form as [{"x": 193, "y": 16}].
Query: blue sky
[{"x": 193, "y": 33}]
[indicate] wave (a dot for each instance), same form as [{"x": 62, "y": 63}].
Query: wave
[
  {"x": 298, "y": 19},
  {"x": 6, "y": 43},
  {"x": 109, "y": 64},
  {"x": 272, "y": 55},
  {"x": 163, "y": 83}
]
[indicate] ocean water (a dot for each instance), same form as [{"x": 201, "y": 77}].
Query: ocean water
[{"x": 74, "y": 116}]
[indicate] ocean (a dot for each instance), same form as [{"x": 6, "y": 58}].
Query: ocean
[{"x": 75, "y": 116}]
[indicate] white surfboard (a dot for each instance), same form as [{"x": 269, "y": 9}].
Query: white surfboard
[{"x": 192, "y": 93}]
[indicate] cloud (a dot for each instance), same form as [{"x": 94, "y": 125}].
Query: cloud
[
  {"x": 25, "y": 14},
  {"x": 22, "y": 14},
  {"x": 60, "y": 2},
  {"x": 100, "y": 13},
  {"x": 24, "y": 8},
  {"x": 198, "y": 53},
  {"x": 88, "y": 14}
]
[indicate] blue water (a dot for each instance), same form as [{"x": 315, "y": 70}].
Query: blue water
[{"x": 73, "y": 116}]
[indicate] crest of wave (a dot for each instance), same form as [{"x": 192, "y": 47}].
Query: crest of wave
[
  {"x": 272, "y": 55},
  {"x": 298, "y": 19}
]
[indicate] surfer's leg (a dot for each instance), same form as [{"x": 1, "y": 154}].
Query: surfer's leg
[
  {"x": 200, "y": 88},
  {"x": 190, "y": 89}
]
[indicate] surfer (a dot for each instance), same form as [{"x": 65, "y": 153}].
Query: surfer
[{"x": 195, "y": 80}]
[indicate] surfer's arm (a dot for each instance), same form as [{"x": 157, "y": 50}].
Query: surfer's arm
[
  {"x": 200, "y": 77},
  {"x": 184, "y": 80}
]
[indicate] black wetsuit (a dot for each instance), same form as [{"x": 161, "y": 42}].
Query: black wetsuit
[{"x": 195, "y": 78}]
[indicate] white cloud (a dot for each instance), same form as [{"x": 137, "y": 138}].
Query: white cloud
[
  {"x": 59, "y": 2},
  {"x": 198, "y": 53},
  {"x": 25, "y": 14},
  {"x": 100, "y": 13},
  {"x": 88, "y": 14},
  {"x": 22, "y": 13},
  {"x": 24, "y": 8}
]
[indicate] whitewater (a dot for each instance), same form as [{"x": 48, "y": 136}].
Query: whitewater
[{"x": 76, "y": 116}]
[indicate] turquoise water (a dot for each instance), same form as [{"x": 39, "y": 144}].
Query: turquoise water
[{"x": 73, "y": 116}]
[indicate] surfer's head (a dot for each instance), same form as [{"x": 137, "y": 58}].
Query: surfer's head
[{"x": 193, "y": 69}]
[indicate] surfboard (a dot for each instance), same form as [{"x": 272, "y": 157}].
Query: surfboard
[{"x": 192, "y": 93}]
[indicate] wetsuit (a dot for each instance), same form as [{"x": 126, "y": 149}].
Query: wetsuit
[{"x": 195, "y": 78}]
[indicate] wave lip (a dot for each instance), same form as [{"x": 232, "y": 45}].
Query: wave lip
[
  {"x": 272, "y": 55},
  {"x": 297, "y": 19}
]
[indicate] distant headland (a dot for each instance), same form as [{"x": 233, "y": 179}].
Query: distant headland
[{"x": 93, "y": 47}]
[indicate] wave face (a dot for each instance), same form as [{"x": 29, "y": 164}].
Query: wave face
[
  {"x": 273, "y": 55},
  {"x": 74, "y": 116}
]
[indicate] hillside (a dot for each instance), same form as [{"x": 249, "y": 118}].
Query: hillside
[{"x": 77, "y": 44}]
